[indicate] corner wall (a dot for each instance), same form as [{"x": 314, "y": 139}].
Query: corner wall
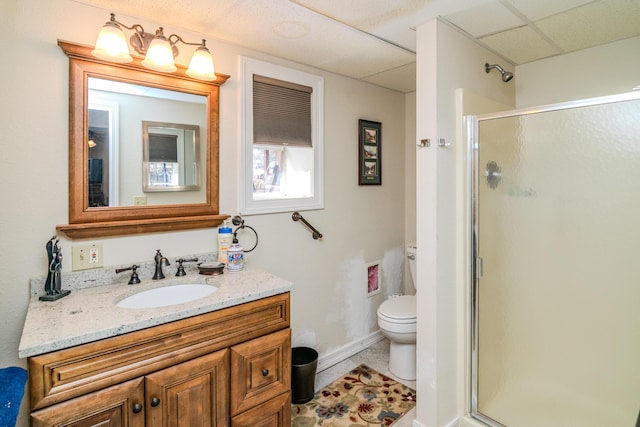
[{"x": 447, "y": 60}]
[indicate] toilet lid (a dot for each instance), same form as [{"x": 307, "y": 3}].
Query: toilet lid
[{"x": 401, "y": 309}]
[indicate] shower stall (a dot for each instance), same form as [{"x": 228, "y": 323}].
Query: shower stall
[{"x": 556, "y": 273}]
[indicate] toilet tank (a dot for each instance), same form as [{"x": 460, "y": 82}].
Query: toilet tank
[{"x": 411, "y": 257}]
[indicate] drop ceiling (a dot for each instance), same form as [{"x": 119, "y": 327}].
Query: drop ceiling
[{"x": 375, "y": 40}]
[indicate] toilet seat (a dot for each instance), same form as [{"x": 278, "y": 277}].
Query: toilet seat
[{"x": 400, "y": 309}]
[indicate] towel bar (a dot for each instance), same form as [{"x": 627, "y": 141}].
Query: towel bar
[{"x": 315, "y": 233}]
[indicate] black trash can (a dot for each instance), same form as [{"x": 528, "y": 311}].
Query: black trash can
[{"x": 304, "y": 361}]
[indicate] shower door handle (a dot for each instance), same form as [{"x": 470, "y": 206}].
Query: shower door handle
[
  {"x": 478, "y": 267},
  {"x": 493, "y": 172}
]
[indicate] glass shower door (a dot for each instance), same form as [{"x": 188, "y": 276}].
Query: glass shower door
[{"x": 557, "y": 249}]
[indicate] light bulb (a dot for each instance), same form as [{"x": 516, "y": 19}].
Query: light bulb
[
  {"x": 160, "y": 56},
  {"x": 201, "y": 65},
  {"x": 111, "y": 44}
]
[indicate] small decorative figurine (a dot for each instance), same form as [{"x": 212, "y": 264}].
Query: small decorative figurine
[{"x": 53, "y": 285}]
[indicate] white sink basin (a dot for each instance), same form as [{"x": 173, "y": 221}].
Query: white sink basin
[{"x": 168, "y": 295}]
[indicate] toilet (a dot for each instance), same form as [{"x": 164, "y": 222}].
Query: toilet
[{"x": 397, "y": 321}]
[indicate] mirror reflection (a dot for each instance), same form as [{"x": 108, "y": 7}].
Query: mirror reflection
[
  {"x": 170, "y": 157},
  {"x": 125, "y": 166}
]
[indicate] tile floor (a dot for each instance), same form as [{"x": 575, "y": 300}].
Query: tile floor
[{"x": 377, "y": 357}]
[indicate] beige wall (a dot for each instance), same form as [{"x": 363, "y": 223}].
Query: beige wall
[
  {"x": 330, "y": 308},
  {"x": 600, "y": 71}
]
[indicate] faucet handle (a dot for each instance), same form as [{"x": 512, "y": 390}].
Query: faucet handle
[
  {"x": 181, "y": 271},
  {"x": 134, "y": 274}
]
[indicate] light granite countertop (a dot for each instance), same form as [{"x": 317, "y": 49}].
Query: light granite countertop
[{"x": 90, "y": 313}]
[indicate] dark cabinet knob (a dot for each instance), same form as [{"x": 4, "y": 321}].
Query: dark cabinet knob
[
  {"x": 155, "y": 402},
  {"x": 137, "y": 408},
  {"x": 265, "y": 372}
]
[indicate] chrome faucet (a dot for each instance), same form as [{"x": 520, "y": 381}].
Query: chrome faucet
[{"x": 161, "y": 261}]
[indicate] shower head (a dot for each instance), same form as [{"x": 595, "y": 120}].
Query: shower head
[{"x": 506, "y": 76}]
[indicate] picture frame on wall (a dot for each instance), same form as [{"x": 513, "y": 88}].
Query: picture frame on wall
[
  {"x": 374, "y": 276},
  {"x": 369, "y": 152}
]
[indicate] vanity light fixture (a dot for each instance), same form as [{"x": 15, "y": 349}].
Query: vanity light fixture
[
  {"x": 91, "y": 140},
  {"x": 159, "y": 50}
]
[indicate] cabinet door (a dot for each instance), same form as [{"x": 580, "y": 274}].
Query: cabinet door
[
  {"x": 117, "y": 406},
  {"x": 261, "y": 370},
  {"x": 190, "y": 394},
  {"x": 275, "y": 413}
]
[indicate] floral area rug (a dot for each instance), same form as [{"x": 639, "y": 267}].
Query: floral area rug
[{"x": 362, "y": 397}]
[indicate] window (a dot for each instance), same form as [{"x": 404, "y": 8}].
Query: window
[{"x": 282, "y": 139}]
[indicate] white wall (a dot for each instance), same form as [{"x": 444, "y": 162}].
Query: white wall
[
  {"x": 604, "y": 70},
  {"x": 446, "y": 61},
  {"x": 360, "y": 224}
]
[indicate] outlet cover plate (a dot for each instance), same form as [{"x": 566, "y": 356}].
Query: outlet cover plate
[{"x": 84, "y": 257}]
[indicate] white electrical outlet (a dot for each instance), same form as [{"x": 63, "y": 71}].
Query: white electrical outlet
[
  {"x": 88, "y": 256},
  {"x": 139, "y": 200}
]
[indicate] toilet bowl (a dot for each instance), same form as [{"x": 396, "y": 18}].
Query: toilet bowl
[{"x": 397, "y": 322}]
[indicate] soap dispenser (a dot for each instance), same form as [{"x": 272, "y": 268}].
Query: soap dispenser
[{"x": 235, "y": 256}]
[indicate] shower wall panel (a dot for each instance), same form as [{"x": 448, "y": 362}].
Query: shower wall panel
[{"x": 559, "y": 237}]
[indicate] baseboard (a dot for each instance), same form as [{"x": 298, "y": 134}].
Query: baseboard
[
  {"x": 453, "y": 423},
  {"x": 328, "y": 360},
  {"x": 468, "y": 421}
]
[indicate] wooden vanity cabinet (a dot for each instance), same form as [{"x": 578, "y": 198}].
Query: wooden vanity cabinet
[{"x": 228, "y": 367}]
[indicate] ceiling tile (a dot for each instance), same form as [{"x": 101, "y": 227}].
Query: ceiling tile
[
  {"x": 486, "y": 18},
  {"x": 364, "y": 14},
  {"x": 510, "y": 45},
  {"x": 390, "y": 20},
  {"x": 372, "y": 59},
  {"x": 538, "y": 9},
  {"x": 402, "y": 78},
  {"x": 593, "y": 24},
  {"x": 292, "y": 32}
]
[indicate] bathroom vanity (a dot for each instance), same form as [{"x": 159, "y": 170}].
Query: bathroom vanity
[{"x": 224, "y": 359}]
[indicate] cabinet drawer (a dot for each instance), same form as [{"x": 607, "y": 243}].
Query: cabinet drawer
[
  {"x": 275, "y": 413},
  {"x": 261, "y": 370}
]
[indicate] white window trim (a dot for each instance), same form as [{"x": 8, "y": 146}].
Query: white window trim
[{"x": 249, "y": 206}]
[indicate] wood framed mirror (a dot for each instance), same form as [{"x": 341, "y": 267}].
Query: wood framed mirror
[{"x": 106, "y": 194}]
